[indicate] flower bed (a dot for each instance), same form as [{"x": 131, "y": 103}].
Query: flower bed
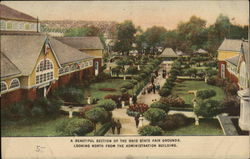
[{"x": 107, "y": 89}]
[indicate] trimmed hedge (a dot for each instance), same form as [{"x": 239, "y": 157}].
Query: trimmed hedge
[
  {"x": 205, "y": 93},
  {"x": 150, "y": 131},
  {"x": 104, "y": 129}
]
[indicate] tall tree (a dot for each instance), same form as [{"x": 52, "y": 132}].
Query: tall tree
[
  {"x": 125, "y": 37},
  {"x": 155, "y": 37}
]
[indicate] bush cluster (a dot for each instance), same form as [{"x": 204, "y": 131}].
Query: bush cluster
[
  {"x": 154, "y": 115},
  {"x": 69, "y": 94},
  {"x": 160, "y": 105},
  {"x": 205, "y": 93},
  {"x": 150, "y": 131},
  {"x": 174, "y": 121},
  {"x": 75, "y": 127},
  {"x": 173, "y": 101}
]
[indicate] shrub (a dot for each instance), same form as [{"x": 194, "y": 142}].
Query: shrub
[
  {"x": 211, "y": 72},
  {"x": 138, "y": 107},
  {"x": 134, "y": 82},
  {"x": 168, "y": 124},
  {"x": 231, "y": 105},
  {"x": 54, "y": 106},
  {"x": 173, "y": 101},
  {"x": 132, "y": 113},
  {"x": 164, "y": 92},
  {"x": 132, "y": 70},
  {"x": 208, "y": 108},
  {"x": 150, "y": 131},
  {"x": 211, "y": 80},
  {"x": 155, "y": 115},
  {"x": 127, "y": 85},
  {"x": 113, "y": 97},
  {"x": 69, "y": 94},
  {"x": 107, "y": 89},
  {"x": 75, "y": 126},
  {"x": 37, "y": 111},
  {"x": 17, "y": 111},
  {"x": 124, "y": 90},
  {"x": 160, "y": 105},
  {"x": 231, "y": 89},
  {"x": 96, "y": 114},
  {"x": 206, "y": 93},
  {"x": 107, "y": 104},
  {"x": 85, "y": 109}
]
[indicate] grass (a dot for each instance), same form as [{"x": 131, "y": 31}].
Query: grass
[
  {"x": 181, "y": 89},
  {"x": 34, "y": 127},
  {"x": 93, "y": 89},
  {"x": 206, "y": 127}
]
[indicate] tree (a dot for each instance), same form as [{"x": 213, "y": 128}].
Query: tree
[
  {"x": 125, "y": 37},
  {"x": 96, "y": 114},
  {"x": 154, "y": 37},
  {"x": 208, "y": 108},
  {"x": 155, "y": 115},
  {"x": 107, "y": 104}
]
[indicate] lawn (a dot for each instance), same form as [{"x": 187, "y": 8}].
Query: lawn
[
  {"x": 181, "y": 89},
  {"x": 206, "y": 127},
  {"x": 93, "y": 89},
  {"x": 34, "y": 127}
]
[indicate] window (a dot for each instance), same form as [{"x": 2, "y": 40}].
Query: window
[
  {"x": 91, "y": 63},
  {"x": 61, "y": 71},
  {"x": 14, "y": 83},
  {"x": 15, "y": 26},
  {"x": 27, "y": 26},
  {"x": 21, "y": 26},
  {"x": 9, "y": 25},
  {"x": 33, "y": 27},
  {"x": 4, "y": 86},
  {"x": 86, "y": 64},
  {"x": 222, "y": 70},
  {"x": 3, "y": 25},
  {"x": 66, "y": 69},
  {"x": 44, "y": 71}
]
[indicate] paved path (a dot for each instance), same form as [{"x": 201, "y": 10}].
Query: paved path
[{"x": 128, "y": 122}]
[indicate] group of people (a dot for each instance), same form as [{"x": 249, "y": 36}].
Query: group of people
[
  {"x": 116, "y": 125},
  {"x": 153, "y": 87},
  {"x": 164, "y": 73}
]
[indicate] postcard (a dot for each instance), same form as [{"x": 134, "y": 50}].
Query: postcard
[{"x": 125, "y": 79}]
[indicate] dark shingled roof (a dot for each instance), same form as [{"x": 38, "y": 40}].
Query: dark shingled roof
[
  {"x": 82, "y": 42},
  {"x": 7, "y": 67},
  {"x": 231, "y": 45},
  {"x": 233, "y": 60},
  {"x": 9, "y": 13}
]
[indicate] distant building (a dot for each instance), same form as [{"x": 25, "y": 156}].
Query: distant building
[
  {"x": 201, "y": 52},
  {"x": 229, "y": 48},
  {"x": 168, "y": 53},
  {"x": 16, "y": 22},
  {"x": 90, "y": 45},
  {"x": 231, "y": 71}
]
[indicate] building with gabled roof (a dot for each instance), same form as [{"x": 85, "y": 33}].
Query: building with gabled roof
[
  {"x": 168, "y": 53},
  {"x": 229, "y": 48},
  {"x": 90, "y": 45},
  {"x": 15, "y": 22},
  {"x": 33, "y": 64}
]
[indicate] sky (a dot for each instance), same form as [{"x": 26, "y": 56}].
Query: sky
[{"x": 143, "y": 13}]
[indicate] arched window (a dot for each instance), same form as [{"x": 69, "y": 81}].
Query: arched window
[
  {"x": 44, "y": 71},
  {"x": 14, "y": 83},
  {"x": 4, "y": 86}
]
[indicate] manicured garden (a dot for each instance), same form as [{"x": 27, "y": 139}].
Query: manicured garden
[
  {"x": 206, "y": 127},
  {"x": 181, "y": 89}
]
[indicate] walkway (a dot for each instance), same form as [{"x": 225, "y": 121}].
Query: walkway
[{"x": 128, "y": 122}]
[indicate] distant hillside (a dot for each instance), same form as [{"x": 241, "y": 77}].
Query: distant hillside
[{"x": 63, "y": 25}]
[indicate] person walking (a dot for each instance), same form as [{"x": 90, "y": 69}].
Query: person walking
[
  {"x": 134, "y": 99},
  {"x": 153, "y": 87},
  {"x": 113, "y": 125},
  {"x": 118, "y": 126},
  {"x": 137, "y": 120}
]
